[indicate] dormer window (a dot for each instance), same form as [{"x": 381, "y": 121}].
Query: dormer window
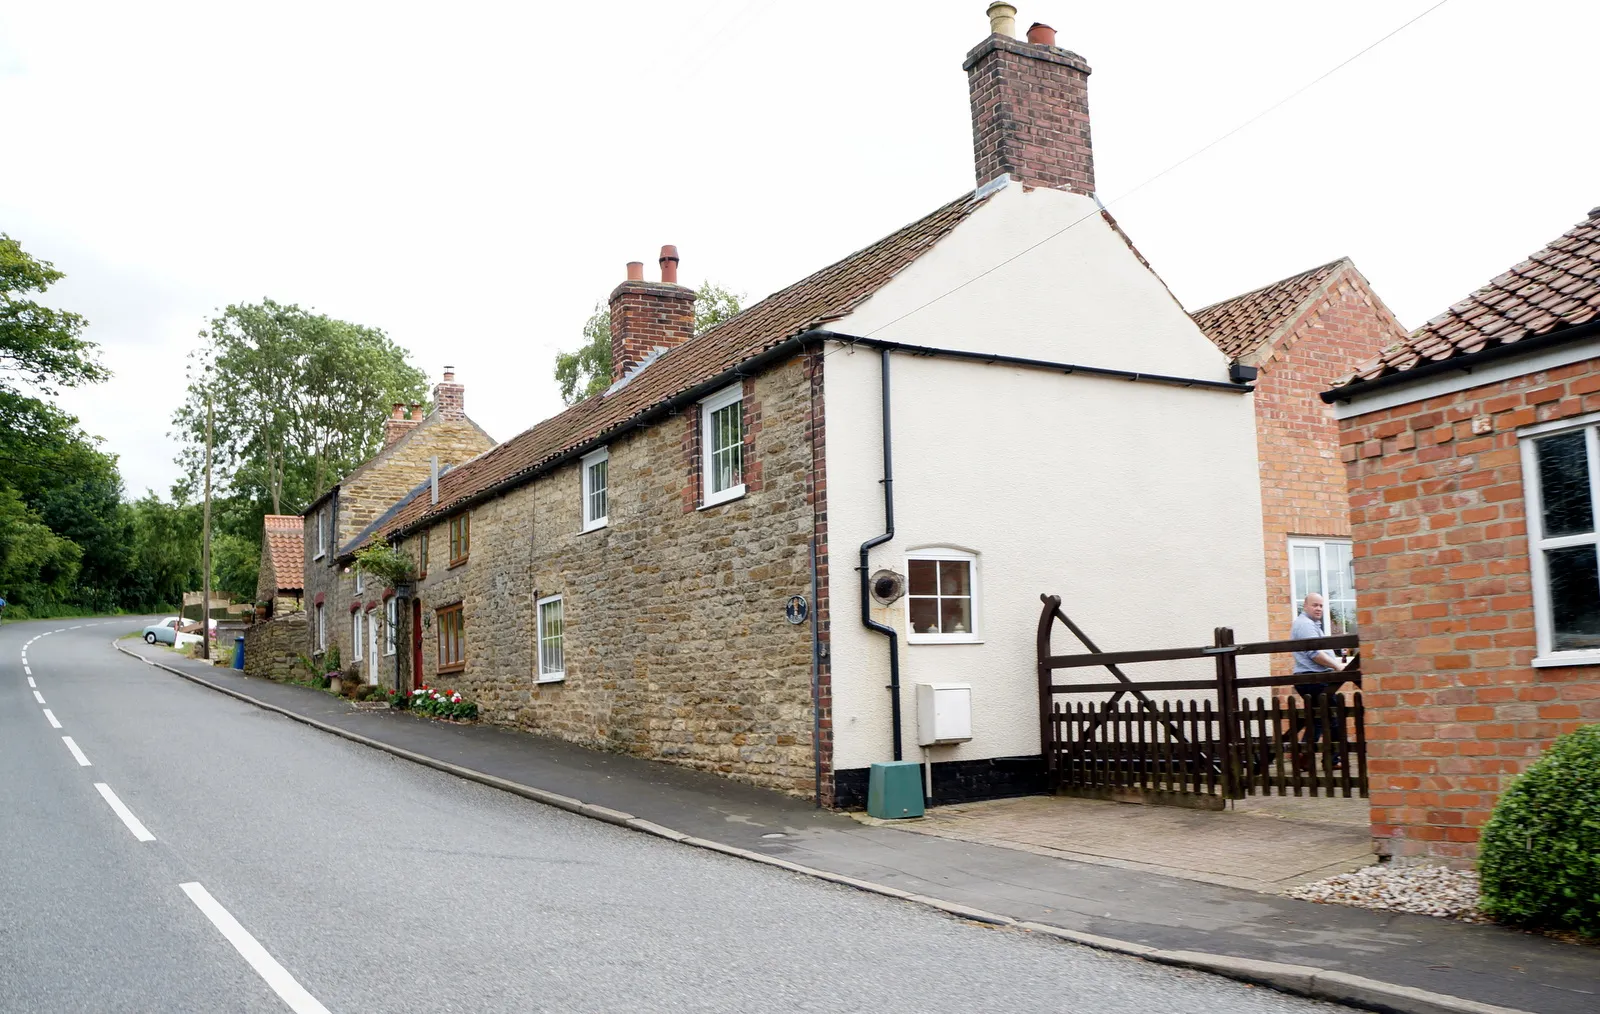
[{"x": 596, "y": 509}]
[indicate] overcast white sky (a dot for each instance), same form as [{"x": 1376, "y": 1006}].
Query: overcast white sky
[{"x": 472, "y": 177}]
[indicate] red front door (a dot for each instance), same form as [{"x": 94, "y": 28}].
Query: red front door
[{"x": 416, "y": 643}]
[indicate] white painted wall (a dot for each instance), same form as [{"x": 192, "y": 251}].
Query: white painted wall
[{"x": 1137, "y": 503}]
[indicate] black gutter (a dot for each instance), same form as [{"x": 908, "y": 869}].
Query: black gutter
[
  {"x": 1037, "y": 364},
  {"x": 783, "y": 350},
  {"x": 1465, "y": 364},
  {"x": 866, "y": 594}
]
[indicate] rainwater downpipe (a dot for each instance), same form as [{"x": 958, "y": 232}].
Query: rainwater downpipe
[{"x": 866, "y": 593}]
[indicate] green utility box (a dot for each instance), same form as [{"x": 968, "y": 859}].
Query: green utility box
[{"x": 894, "y": 790}]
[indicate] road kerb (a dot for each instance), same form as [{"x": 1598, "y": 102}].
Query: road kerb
[{"x": 1301, "y": 980}]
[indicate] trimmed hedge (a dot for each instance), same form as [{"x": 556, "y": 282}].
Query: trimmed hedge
[{"x": 1539, "y": 856}]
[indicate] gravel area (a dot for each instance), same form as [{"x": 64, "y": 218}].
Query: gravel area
[{"x": 1421, "y": 890}]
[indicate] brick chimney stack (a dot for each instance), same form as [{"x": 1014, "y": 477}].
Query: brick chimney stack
[
  {"x": 646, "y": 316},
  {"x": 397, "y": 425},
  {"x": 1030, "y": 107},
  {"x": 449, "y": 397}
]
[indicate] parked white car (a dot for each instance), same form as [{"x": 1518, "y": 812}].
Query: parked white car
[{"x": 167, "y": 632}]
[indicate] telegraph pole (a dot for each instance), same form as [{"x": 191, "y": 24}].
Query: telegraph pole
[{"x": 205, "y": 549}]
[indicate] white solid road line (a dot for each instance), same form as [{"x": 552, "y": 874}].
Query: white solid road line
[
  {"x": 120, "y": 809},
  {"x": 83, "y": 761},
  {"x": 52, "y": 716},
  {"x": 276, "y": 976},
  {"x": 38, "y": 696}
]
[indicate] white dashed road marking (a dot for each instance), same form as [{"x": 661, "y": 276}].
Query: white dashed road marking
[
  {"x": 51, "y": 715},
  {"x": 83, "y": 762},
  {"x": 120, "y": 809},
  {"x": 38, "y": 696},
  {"x": 31, "y": 683},
  {"x": 276, "y": 976}
]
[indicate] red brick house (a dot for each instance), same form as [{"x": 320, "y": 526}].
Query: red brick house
[
  {"x": 1472, "y": 450},
  {"x": 1302, "y": 335}
]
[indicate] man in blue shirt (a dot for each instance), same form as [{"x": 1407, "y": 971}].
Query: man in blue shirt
[{"x": 1308, "y": 625}]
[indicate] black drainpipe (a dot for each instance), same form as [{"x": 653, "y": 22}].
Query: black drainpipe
[{"x": 866, "y": 594}]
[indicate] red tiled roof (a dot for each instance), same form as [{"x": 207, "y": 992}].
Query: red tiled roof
[
  {"x": 826, "y": 295},
  {"x": 1241, "y": 325},
  {"x": 1556, "y": 288},
  {"x": 285, "y": 537}
]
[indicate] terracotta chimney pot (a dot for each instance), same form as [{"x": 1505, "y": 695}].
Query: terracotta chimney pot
[
  {"x": 399, "y": 411},
  {"x": 416, "y": 412},
  {"x": 449, "y": 374},
  {"x": 1041, "y": 34},
  {"x": 636, "y": 271},
  {"x": 669, "y": 265}
]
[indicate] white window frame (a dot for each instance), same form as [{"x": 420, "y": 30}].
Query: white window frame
[
  {"x": 722, "y": 399},
  {"x": 356, "y": 633},
  {"x": 973, "y": 636},
  {"x": 1297, "y": 596},
  {"x": 549, "y": 675},
  {"x": 322, "y": 628},
  {"x": 1533, "y": 511},
  {"x": 391, "y": 619},
  {"x": 322, "y": 534},
  {"x": 361, "y": 580},
  {"x": 587, "y": 463}
]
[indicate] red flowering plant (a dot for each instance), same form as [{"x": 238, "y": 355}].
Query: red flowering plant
[{"x": 442, "y": 703}]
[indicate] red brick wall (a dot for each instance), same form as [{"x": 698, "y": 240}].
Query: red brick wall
[
  {"x": 646, "y": 316},
  {"x": 1030, "y": 114},
  {"x": 1297, "y": 438},
  {"x": 1445, "y": 607}
]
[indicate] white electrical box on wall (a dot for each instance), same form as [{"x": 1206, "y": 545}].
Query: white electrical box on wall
[{"x": 944, "y": 713}]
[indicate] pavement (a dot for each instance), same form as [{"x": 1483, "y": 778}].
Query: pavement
[
  {"x": 281, "y": 868},
  {"x": 1377, "y": 960}
]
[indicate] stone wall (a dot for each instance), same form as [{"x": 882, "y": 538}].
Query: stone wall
[
  {"x": 676, "y": 643},
  {"x": 271, "y": 649},
  {"x": 1444, "y": 596}
]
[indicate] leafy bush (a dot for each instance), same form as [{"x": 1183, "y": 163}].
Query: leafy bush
[
  {"x": 442, "y": 703},
  {"x": 1539, "y": 857},
  {"x": 386, "y": 562}
]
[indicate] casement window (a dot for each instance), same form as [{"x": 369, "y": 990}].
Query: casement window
[
  {"x": 722, "y": 446},
  {"x": 322, "y": 534},
  {"x": 1324, "y": 566},
  {"x": 1561, "y": 483},
  {"x": 452, "y": 639},
  {"x": 322, "y": 629},
  {"x": 361, "y": 580},
  {"x": 942, "y": 597},
  {"x": 422, "y": 554},
  {"x": 355, "y": 636},
  {"x": 460, "y": 538},
  {"x": 595, "y": 501},
  {"x": 391, "y": 620},
  {"x": 552, "y": 655}
]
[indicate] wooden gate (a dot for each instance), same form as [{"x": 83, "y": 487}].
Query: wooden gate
[{"x": 1208, "y": 747}]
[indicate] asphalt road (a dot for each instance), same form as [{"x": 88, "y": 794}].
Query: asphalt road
[{"x": 351, "y": 881}]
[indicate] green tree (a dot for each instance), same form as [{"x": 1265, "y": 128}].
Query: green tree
[
  {"x": 299, "y": 398},
  {"x": 38, "y": 568},
  {"x": 587, "y": 372},
  {"x": 39, "y": 346}
]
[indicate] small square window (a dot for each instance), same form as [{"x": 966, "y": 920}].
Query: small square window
[
  {"x": 942, "y": 599},
  {"x": 596, "y": 507},
  {"x": 552, "y": 654},
  {"x": 722, "y": 446}
]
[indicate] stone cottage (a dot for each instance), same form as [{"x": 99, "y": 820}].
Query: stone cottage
[
  {"x": 998, "y": 399},
  {"x": 1472, "y": 450},
  {"x": 1302, "y": 335},
  {"x": 343, "y": 607},
  {"x": 280, "y": 581}
]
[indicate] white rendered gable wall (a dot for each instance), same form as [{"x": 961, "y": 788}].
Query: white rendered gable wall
[{"x": 1138, "y": 503}]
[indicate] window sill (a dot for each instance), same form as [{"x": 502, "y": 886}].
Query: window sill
[
  {"x": 446, "y": 670},
  {"x": 554, "y": 677},
  {"x": 453, "y": 564},
  {"x": 319, "y": 556},
  {"x": 595, "y": 526},
  {"x": 726, "y": 496},
  {"x": 1569, "y": 658},
  {"x": 943, "y": 639}
]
